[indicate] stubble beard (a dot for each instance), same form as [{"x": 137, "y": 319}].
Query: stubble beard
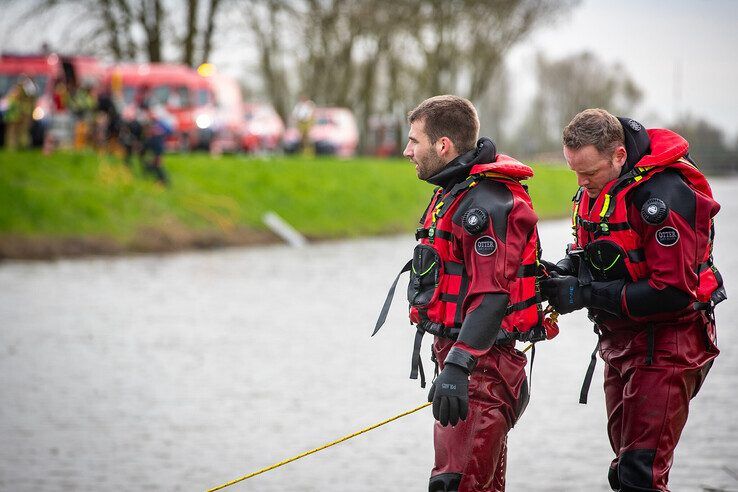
[{"x": 431, "y": 166}]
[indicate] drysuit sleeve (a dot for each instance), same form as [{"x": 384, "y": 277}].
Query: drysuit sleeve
[
  {"x": 491, "y": 228},
  {"x": 673, "y": 221}
]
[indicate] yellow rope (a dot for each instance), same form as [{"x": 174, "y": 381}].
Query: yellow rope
[
  {"x": 306, "y": 453},
  {"x": 324, "y": 446}
]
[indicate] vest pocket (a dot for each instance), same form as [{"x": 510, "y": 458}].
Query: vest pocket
[{"x": 425, "y": 273}]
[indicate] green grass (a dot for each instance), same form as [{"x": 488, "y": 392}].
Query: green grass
[{"x": 81, "y": 194}]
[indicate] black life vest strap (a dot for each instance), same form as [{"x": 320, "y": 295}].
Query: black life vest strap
[
  {"x": 388, "y": 301},
  {"x": 603, "y": 227},
  {"x": 416, "y": 362},
  {"x": 427, "y": 209},
  {"x": 519, "y": 306},
  {"x": 453, "y": 268},
  {"x": 423, "y": 233},
  {"x": 584, "y": 392},
  {"x": 449, "y": 198},
  {"x": 530, "y": 270}
]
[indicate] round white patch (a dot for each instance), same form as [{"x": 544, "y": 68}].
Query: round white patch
[
  {"x": 485, "y": 246},
  {"x": 667, "y": 236}
]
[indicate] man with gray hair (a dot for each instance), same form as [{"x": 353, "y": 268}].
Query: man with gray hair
[
  {"x": 473, "y": 286},
  {"x": 642, "y": 264}
]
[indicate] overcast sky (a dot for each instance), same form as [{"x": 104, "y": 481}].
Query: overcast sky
[{"x": 681, "y": 53}]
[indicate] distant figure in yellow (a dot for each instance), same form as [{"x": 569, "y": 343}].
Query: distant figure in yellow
[
  {"x": 304, "y": 116},
  {"x": 82, "y": 105},
  {"x": 19, "y": 115}
]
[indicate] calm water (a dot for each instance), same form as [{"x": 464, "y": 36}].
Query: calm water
[{"x": 183, "y": 372}]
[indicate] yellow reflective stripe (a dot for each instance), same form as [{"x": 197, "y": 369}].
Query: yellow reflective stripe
[
  {"x": 638, "y": 178},
  {"x": 605, "y": 204}
]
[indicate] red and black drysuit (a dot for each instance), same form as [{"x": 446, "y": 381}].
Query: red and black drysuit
[
  {"x": 643, "y": 258},
  {"x": 473, "y": 285}
]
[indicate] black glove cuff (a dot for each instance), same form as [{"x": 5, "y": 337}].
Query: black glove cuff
[
  {"x": 607, "y": 296},
  {"x": 462, "y": 358}
]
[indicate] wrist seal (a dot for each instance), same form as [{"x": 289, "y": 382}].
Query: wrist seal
[{"x": 461, "y": 358}]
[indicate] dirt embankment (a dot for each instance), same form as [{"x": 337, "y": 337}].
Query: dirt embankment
[{"x": 153, "y": 240}]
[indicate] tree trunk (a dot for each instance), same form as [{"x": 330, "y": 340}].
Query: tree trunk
[{"x": 188, "y": 54}]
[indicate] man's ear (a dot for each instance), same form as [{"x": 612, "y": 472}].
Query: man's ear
[
  {"x": 445, "y": 148},
  {"x": 620, "y": 155}
]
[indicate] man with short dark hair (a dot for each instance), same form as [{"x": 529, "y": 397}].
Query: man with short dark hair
[
  {"x": 642, "y": 265},
  {"x": 473, "y": 285}
]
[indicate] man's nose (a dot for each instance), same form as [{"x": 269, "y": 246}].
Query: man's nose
[
  {"x": 582, "y": 180},
  {"x": 407, "y": 152}
]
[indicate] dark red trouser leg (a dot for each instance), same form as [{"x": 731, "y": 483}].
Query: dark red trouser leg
[
  {"x": 472, "y": 454},
  {"x": 647, "y": 405}
]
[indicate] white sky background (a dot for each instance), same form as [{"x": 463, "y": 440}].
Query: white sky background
[{"x": 681, "y": 53}]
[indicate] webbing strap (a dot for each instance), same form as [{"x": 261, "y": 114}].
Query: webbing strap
[
  {"x": 530, "y": 270},
  {"x": 422, "y": 233},
  {"x": 416, "y": 362},
  {"x": 532, "y": 359},
  {"x": 388, "y": 300},
  {"x": 519, "y": 306},
  {"x": 588, "y": 376},
  {"x": 448, "y": 199}
]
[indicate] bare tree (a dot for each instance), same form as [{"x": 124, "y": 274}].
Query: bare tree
[
  {"x": 107, "y": 27},
  {"x": 568, "y": 86}
]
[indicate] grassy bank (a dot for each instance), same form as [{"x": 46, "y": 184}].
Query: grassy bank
[{"x": 77, "y": 203}]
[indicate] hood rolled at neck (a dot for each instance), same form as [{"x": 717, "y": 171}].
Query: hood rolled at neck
[
  {"x": 458, "y": 169},
  {"x": 637, "y": 142}
]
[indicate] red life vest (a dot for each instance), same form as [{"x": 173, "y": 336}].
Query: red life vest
[
  {"x": 606, "y": 221},
  {"x": 440, "y": 278}
]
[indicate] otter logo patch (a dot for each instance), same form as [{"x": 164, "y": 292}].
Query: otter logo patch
[
  {"x": 667, "y": 236},
  {"x": 485, "y": 246}
]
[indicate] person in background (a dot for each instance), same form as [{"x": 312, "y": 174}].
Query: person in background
[
  {"x": 304, "y": 116},
  {"x": 157, "y": 125},
  {"x": 473, "y": 285},
  {"x": 642, "y": 265},
  {"x": 107, "y": 122},
  {"x": 82, "y": 105},
  {"x": 18, "y": 115}
]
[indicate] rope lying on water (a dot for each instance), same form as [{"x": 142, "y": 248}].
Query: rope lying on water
[{"x": 324, "y": 446}]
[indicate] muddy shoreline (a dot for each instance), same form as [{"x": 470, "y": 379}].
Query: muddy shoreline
[{"x": 44, "y": 248}]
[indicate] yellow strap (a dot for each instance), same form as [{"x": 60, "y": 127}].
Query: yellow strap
[
  {"x": 324, "y": 446},
  {"x": 605, "y": 204}
]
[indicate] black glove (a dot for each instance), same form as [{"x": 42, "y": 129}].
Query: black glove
[
  {"x": 564, "y": 266},
  {"x": 564, "y": 293},
  {"x": 450, "y": 395}
]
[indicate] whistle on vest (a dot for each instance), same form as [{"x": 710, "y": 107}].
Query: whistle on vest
[{"x": 550, "y": 323}]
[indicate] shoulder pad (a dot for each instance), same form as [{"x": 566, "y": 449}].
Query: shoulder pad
[{"x": 668, "y": 188}]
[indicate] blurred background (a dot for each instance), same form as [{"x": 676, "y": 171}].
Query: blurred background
[{"x": 139, "y": 138}]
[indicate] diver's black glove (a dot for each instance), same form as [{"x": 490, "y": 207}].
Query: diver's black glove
[
  {"x": 564, "y": 293},
  {"x": 450, "y": 391},
  {"x": 564, "y": 266}
]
